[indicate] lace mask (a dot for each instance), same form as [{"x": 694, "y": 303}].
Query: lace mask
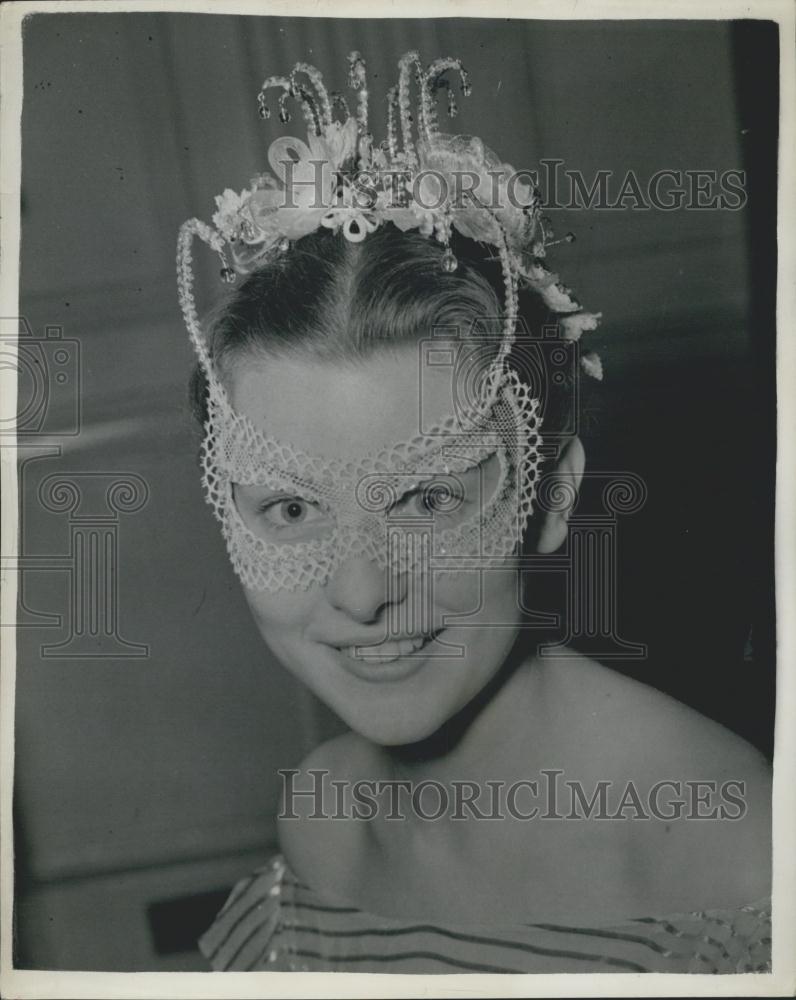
[{"x": 360, "y": 507}]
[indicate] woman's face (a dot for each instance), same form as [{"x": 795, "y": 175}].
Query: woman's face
[{"x": 357, "y": 640}]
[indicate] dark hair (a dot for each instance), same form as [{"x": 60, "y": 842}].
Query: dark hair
[{"x": 329, "y": 298}]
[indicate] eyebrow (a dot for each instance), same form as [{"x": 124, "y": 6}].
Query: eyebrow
[
  {"x": 288, "y": 480},
  {"x": 477, "y": 467}
]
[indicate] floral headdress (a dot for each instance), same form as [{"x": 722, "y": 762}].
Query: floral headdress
[{"x": 433, "y": 182}]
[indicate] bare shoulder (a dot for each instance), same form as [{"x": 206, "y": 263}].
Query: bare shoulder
[
  {"x": 664, "y": 728},
  {"x": 706, "y": 790},
  {"x": 319, "y": 840}
]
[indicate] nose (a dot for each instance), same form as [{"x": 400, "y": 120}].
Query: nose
[{"x": 362, "y": 589}]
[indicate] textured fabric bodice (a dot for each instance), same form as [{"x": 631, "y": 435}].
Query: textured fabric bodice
[{"x": 272, "y": 921}]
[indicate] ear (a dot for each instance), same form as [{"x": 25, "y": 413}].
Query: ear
[{"x": 569, "y": 473}]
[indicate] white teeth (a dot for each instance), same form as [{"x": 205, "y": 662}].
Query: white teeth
[{"x": 385, "y": 652}]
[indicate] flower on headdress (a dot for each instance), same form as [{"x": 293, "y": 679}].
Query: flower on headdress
[
  {"x": 592, "y": 365},
  {"x": 294, "y": 201},
  {"x": 339, "y": 142},
  {"x": 533, "y": 271},
  {"x": 516, "y": 209},
  {"x": 410, "y": 216},
  {"x": 226, "y": 219},
  {"x": 477, "y": 224},
  {"x": 293, "y": 205},
  {"x": 559, "y": 298},
  {"x": 471, "y": 179},
  {"x": 273, "y": 218},
  {"x": 573, "y": 325}
]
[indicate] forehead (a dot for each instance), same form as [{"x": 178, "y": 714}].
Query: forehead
[{"x": 344, "y": 409}]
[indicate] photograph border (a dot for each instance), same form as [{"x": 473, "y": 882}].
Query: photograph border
[{"x": 18, "y": 983}]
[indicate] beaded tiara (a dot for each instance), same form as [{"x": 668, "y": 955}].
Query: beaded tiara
[{"x": 417, "y": 178}]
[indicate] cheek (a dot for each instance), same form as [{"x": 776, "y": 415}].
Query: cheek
[
  {"x": 479, "y": 592},
  {"x": 280, "y": 612}
]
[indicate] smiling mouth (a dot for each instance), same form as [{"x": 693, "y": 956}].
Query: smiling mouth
[{"x": 389, "y": 650}]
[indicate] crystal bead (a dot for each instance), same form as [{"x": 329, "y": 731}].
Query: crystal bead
[
  {"x": 228, "y": 275},
  {"x": 264, "y": 112},
  {"x": 449, "y": 262}
]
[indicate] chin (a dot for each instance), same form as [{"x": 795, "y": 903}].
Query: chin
[
  {"x": 408, "y": 714},
  {"x": 400, "y": 732}
]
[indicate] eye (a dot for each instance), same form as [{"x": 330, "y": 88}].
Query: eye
[
  {"x": 281, "y": 517},
  {"x": 289, "y": 511},
  {"x": 437, "y": 497},
  {"x": 453, "y": 497}
]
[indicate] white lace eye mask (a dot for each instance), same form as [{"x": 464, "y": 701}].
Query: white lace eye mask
[{"x": 344, "y": 509}]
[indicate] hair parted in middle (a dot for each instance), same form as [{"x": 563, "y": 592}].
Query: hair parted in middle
[{"x": 333, "y": 300}]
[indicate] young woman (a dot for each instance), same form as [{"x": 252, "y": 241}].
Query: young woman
[{"x": 375, "y": 460}]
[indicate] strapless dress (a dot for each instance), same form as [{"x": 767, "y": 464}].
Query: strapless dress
[{"x": 272, "y": 921}]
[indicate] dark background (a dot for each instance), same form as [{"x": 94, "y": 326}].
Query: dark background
[{"x": 146, "y": 784}]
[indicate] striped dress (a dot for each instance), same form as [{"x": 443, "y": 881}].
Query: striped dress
[{"x": 273, "y": 921}]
